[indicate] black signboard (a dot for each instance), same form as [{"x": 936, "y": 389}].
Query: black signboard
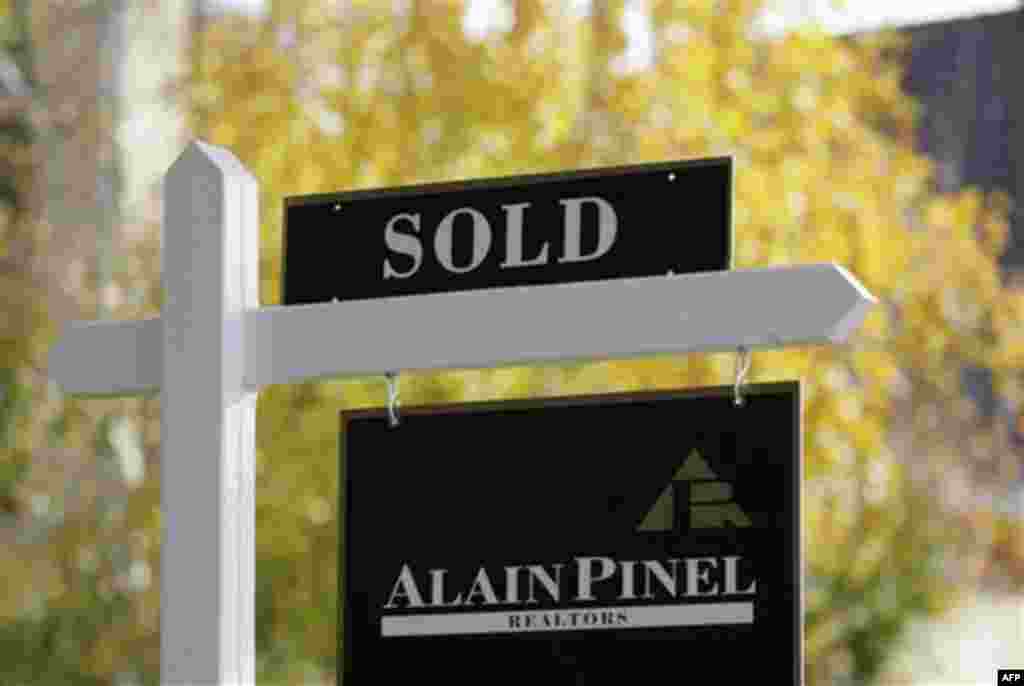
[
  {"x": 642, "y": 220},
  {"x": 611, "y": 539}
]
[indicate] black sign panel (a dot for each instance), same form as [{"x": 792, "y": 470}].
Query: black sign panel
[
  {"x": 643, "y": 220},
  {"x": 591, "y": 540}
]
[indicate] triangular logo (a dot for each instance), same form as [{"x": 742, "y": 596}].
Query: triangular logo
[{"x": 694, "y": 499}]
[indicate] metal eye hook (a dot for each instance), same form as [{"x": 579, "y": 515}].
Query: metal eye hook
[
  {"x": 742, "y": 367},
  {"x": 392, "y": 380}
]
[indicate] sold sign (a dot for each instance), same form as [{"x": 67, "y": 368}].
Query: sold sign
[{"x": 643, "y": 220}]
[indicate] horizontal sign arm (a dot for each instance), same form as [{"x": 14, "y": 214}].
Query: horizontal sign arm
[
  {"x": 769, "y": 307},
  {"x": 108, "y": 358},
  {"x": 756, "y": 308}
]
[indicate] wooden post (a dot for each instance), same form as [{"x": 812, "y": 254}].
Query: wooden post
[{"x": 208, "y": 421}]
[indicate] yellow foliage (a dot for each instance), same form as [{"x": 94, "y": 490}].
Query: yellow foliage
[
  {"x": 821, "y": 135},
  {"x": 316, "y": 100}
]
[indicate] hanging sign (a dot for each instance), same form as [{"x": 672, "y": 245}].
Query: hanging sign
[
  {"x": 589, "y": 540},
  {"x": 642, "y": 220}
]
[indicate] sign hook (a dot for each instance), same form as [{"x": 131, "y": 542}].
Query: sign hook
[
  {"x": 742, "y": 367},
  {"x": 392, "y": 381}
]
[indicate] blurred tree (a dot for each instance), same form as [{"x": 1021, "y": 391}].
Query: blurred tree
[
  {"x": 321, "y": 96},
  {"x": 317, "y": 99},
  {"x": 69, "y": 611}
]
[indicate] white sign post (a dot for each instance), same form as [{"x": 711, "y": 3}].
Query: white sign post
[{"x": 213, "y": 348}]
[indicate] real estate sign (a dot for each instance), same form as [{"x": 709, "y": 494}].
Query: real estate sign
[
  {"x": 578, "y": 540},
  {"x": 590, "y": 225}
]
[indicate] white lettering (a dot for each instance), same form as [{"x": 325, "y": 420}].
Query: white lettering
[
  {"x": 607, "y": 228},
  {"x": 732, "y": 577},
  {"x": 628, "y": 591},
  {"x": 696, "y": 576},
  {"x": 437, "y": 590},
  {"x": 482, "y": 587},
  {"x": 405, "y": 587},
  {"x": 514, "y": 239},
  {"x": 668, "y": 581},
  {"x": 585, "y": 574},
  {"x": 481, "y": 240},
  {"x": 512, "y": 585},
  {"x": 404, "y": 244},
  {"x": 550, "y": 584}
]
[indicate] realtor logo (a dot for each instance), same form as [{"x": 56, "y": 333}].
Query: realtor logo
[
  {"x": 695, "y": 499},
  {"x": 579, "y": 538},
  {"x": 557, "y": 597}
]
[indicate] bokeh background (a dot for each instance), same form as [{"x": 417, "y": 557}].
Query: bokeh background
[{"x": 887, "y": 139}]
